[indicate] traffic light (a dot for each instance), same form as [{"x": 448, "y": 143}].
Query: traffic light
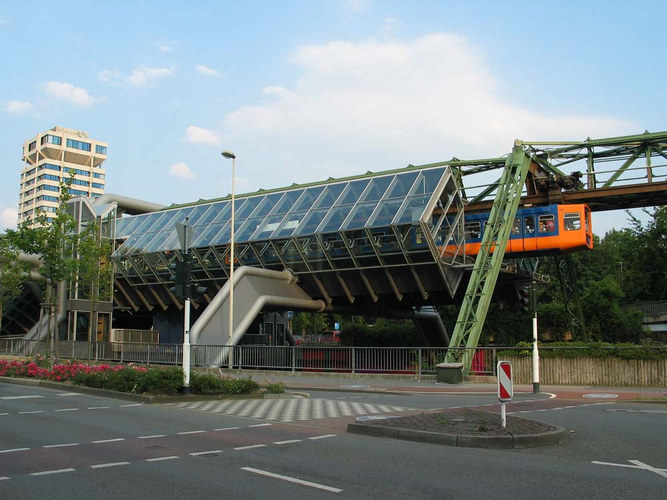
[
  {"x": 180, "y": 278},
  {"x": 524, "y": 298},
  {"x": 196, "y": 290}
]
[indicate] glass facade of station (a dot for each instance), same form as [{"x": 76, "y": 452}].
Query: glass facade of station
[{"x": 400, "y": 218}]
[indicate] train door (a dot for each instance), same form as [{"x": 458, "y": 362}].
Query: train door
[
  {"x": 515, "y": 244},
  {"x": 529, "y": 234}
]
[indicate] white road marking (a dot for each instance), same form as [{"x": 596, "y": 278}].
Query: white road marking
[
  {"x": 111, "y": 464},
  {"x": 6, "y": 398},
  {"x": 324, "y": 436},
  {"x": 153, "y": 436},
  {"x": 30, "y": 412},
  {"x": 292, "y": 479},
  {"x": 56, "y": 471},
  {"x": 227, "y": 429},
  {"x": 289, "y": 441},
  {"x": 260, "y": 425},
  {"x": 198, "y": 453},
  {"x": 637, "y": 465},
  {"x": 68, "y": 394},
  {"x": 108, "y": 440},
  {"x": 14, "y": 449},
  {"x": 250, "y": 447},
  {"x": 3, "y": 478},
  {"x": 159, "y": 459},
  {"x": 3, "y": 414},
  {"x": 98, "y": 407},
  {"x": 190, "y": 432},
  {"x": 64, "y": 445},
  {"x": 132, "y": 405},
  {"x": 69, "y": 409}
]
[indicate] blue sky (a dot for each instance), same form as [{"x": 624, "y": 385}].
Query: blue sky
[{"x": 306, "y": 90}]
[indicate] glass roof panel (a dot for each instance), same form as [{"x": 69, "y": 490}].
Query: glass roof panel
[
  {"x": 286, "y": 202},
  {"x": 334, "y": 219},
  {"x": 223, "y": 237},
  {"x": 170, "y": 243},
  {"x": 359, "y": 216},
  {"x": 129, "y": 245},
  {"x": 203, "y": 235},
  {"x": 244, "y": 207},
  {"x": 352, "y": 192},
  {"x": 196, "y": 213},
  {"x": 147, "y": 221},
  {"x": 428, "y": 180},
  {"x": 329, "y": 195},
  {"x": 307, "y": 199},
  {"x": 401, "y": 185},
  {"x": 219, "y": 213},
  {"x": 386, "y": 212},
  {"x": 266, "y": 228},
  {"x": 288, "y": 225},
  {"x": 246, "y": 230},
  {"x": 412, "y": 209},
  {"x": 311, "y": 221},
  {"x": 267, "y": 204},
  {"x": 376, "y": 188}
]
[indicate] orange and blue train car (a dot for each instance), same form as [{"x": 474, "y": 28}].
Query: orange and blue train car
[{"x": 540, "y": 230}]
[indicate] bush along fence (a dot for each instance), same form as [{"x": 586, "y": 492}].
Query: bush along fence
[
  {"x": 571, "y": 363},
  {"x": 592, "y": 364},
  {"x": 133, "y": 379}
]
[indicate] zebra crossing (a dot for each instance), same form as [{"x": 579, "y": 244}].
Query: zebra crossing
[{"x": 289, "y": 410}]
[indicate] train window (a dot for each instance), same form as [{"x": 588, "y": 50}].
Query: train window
[
  {"x": 546, "y": 223},
  {"x": 516, "y": 228},
  {"x": 530, "y": 224},
  {"x": 572, "y": 221},
  {"x": 472, "y": 230}
]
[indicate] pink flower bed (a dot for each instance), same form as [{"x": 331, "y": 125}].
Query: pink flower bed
[{"x": 60, "y": 373}]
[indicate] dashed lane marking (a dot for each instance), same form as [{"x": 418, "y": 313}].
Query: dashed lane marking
[
  {"x": 13, "y": 450},
  {"x": 292, "y": 479},
  {"x": 190, "y": 432},
  {"x": 160, "y": 459},
  {"x": 154, "y": 436},
  {"x": 63, "y": 445},
  {"x": 111, "y": 464},
  {"x": 31, "y": 396},
  {"x": 114, "y": 440},
  {"x": 55, "y": 471}
]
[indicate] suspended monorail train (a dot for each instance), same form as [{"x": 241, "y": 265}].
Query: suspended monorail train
[{"x": 540, "y": 230}]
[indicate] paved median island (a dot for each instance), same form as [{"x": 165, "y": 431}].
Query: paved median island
[{"x": 463, "y": 427}]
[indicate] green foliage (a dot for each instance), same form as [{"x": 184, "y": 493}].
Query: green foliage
[
  {"x": 13, "y": 272},
  {"x": 305, "y": 323},
  {"x": 385, "y": 333},
  {"x": 590, "y": 350},
  {"x": 209, "y": 384},
  {"x": 167, "y": 381},
  {"x": 275, "y": 387}
]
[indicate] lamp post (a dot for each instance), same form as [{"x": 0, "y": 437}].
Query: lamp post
[{"x": 229, "y": 155}]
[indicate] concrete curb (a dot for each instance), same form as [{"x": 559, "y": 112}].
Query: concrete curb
[
  {"x": 144, "y": 398},
  {"x": 468, "y": 441}
]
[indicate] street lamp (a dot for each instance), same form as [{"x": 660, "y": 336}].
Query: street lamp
[{"x": 231, "y": 156}]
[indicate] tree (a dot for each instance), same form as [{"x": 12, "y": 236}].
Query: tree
[
  {"x": 13, "y": 273},
  {"x": 54, "y": 237}
]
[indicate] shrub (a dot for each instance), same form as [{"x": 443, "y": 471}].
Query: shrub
[
  {"x": 208, "y": 384},
  {"x": 275, "y": 387}
]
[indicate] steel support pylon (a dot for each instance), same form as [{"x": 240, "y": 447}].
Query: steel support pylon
[
  {"x": 567, "y": 279},
  {"x": 489, "y": 259}
]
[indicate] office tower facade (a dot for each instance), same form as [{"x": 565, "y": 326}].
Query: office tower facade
[{"x": 51, "y": 157}]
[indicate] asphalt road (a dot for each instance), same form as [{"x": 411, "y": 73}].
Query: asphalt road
[{"x": 60, "y": 444}]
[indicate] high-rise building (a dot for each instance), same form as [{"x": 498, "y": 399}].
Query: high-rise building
[{"x": 50, "y": 158}]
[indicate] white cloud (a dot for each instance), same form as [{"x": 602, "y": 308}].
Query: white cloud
[
  {"x": 199, "y": 135},
  {"x": 167, "y": 46},
  {"x": 70, "y": 93},
  {"x": 204, "y": 70},
  {"x": 8, "y": 218},
  {"x": 373, "y": 105},
  {"x": 18, "y": 107},
  {"x": 144, "y": 76},
  {"x": 181, "y": 170},
  {"x": 355, "y": 5},
  {"x": 110, "y": 76}
]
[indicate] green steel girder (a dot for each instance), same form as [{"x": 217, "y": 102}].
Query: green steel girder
[
  {"x": 567, "y": 278},
  {"x": 488, "y": 263}
]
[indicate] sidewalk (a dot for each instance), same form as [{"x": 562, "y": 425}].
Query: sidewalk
[{"x": 427, "y": 385}]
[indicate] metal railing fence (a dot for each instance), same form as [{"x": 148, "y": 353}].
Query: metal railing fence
[{"x": 392, "y": 360}]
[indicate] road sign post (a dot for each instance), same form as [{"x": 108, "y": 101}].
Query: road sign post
[
  {"x": 505, "y": 387},
  {"x": 184, "y": 233}
]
